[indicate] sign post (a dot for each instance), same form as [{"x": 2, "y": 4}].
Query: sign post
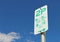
[
  {"x": 43, "y": 37},
  {"x": 41, "y": 22}
]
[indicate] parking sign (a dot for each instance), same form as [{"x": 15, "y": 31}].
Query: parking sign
[{"x": 41, "y": 20}]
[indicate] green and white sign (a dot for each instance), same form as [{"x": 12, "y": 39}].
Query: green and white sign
[{"x": 41, "y": 20}]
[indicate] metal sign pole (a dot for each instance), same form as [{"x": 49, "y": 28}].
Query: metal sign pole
[{"x": 43, "y": 37}]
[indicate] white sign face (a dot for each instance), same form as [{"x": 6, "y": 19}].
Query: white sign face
[{"x": 41, "y": 20}]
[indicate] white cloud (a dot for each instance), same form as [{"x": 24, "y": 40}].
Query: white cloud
[
  {"x": 30, "y": 41},
  {"x": 10, "y": 37}
]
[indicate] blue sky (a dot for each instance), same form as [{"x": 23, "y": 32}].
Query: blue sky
[{"x": 18, "y": 16}]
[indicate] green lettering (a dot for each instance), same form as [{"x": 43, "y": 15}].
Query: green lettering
[
  {"x": 43, "y": 29},
  {"x": 42, "y": 10},
  {"x": 37, "y": 20},
  {"x": 37, "y": 25},
  {"x": 38, "y": 13}
]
